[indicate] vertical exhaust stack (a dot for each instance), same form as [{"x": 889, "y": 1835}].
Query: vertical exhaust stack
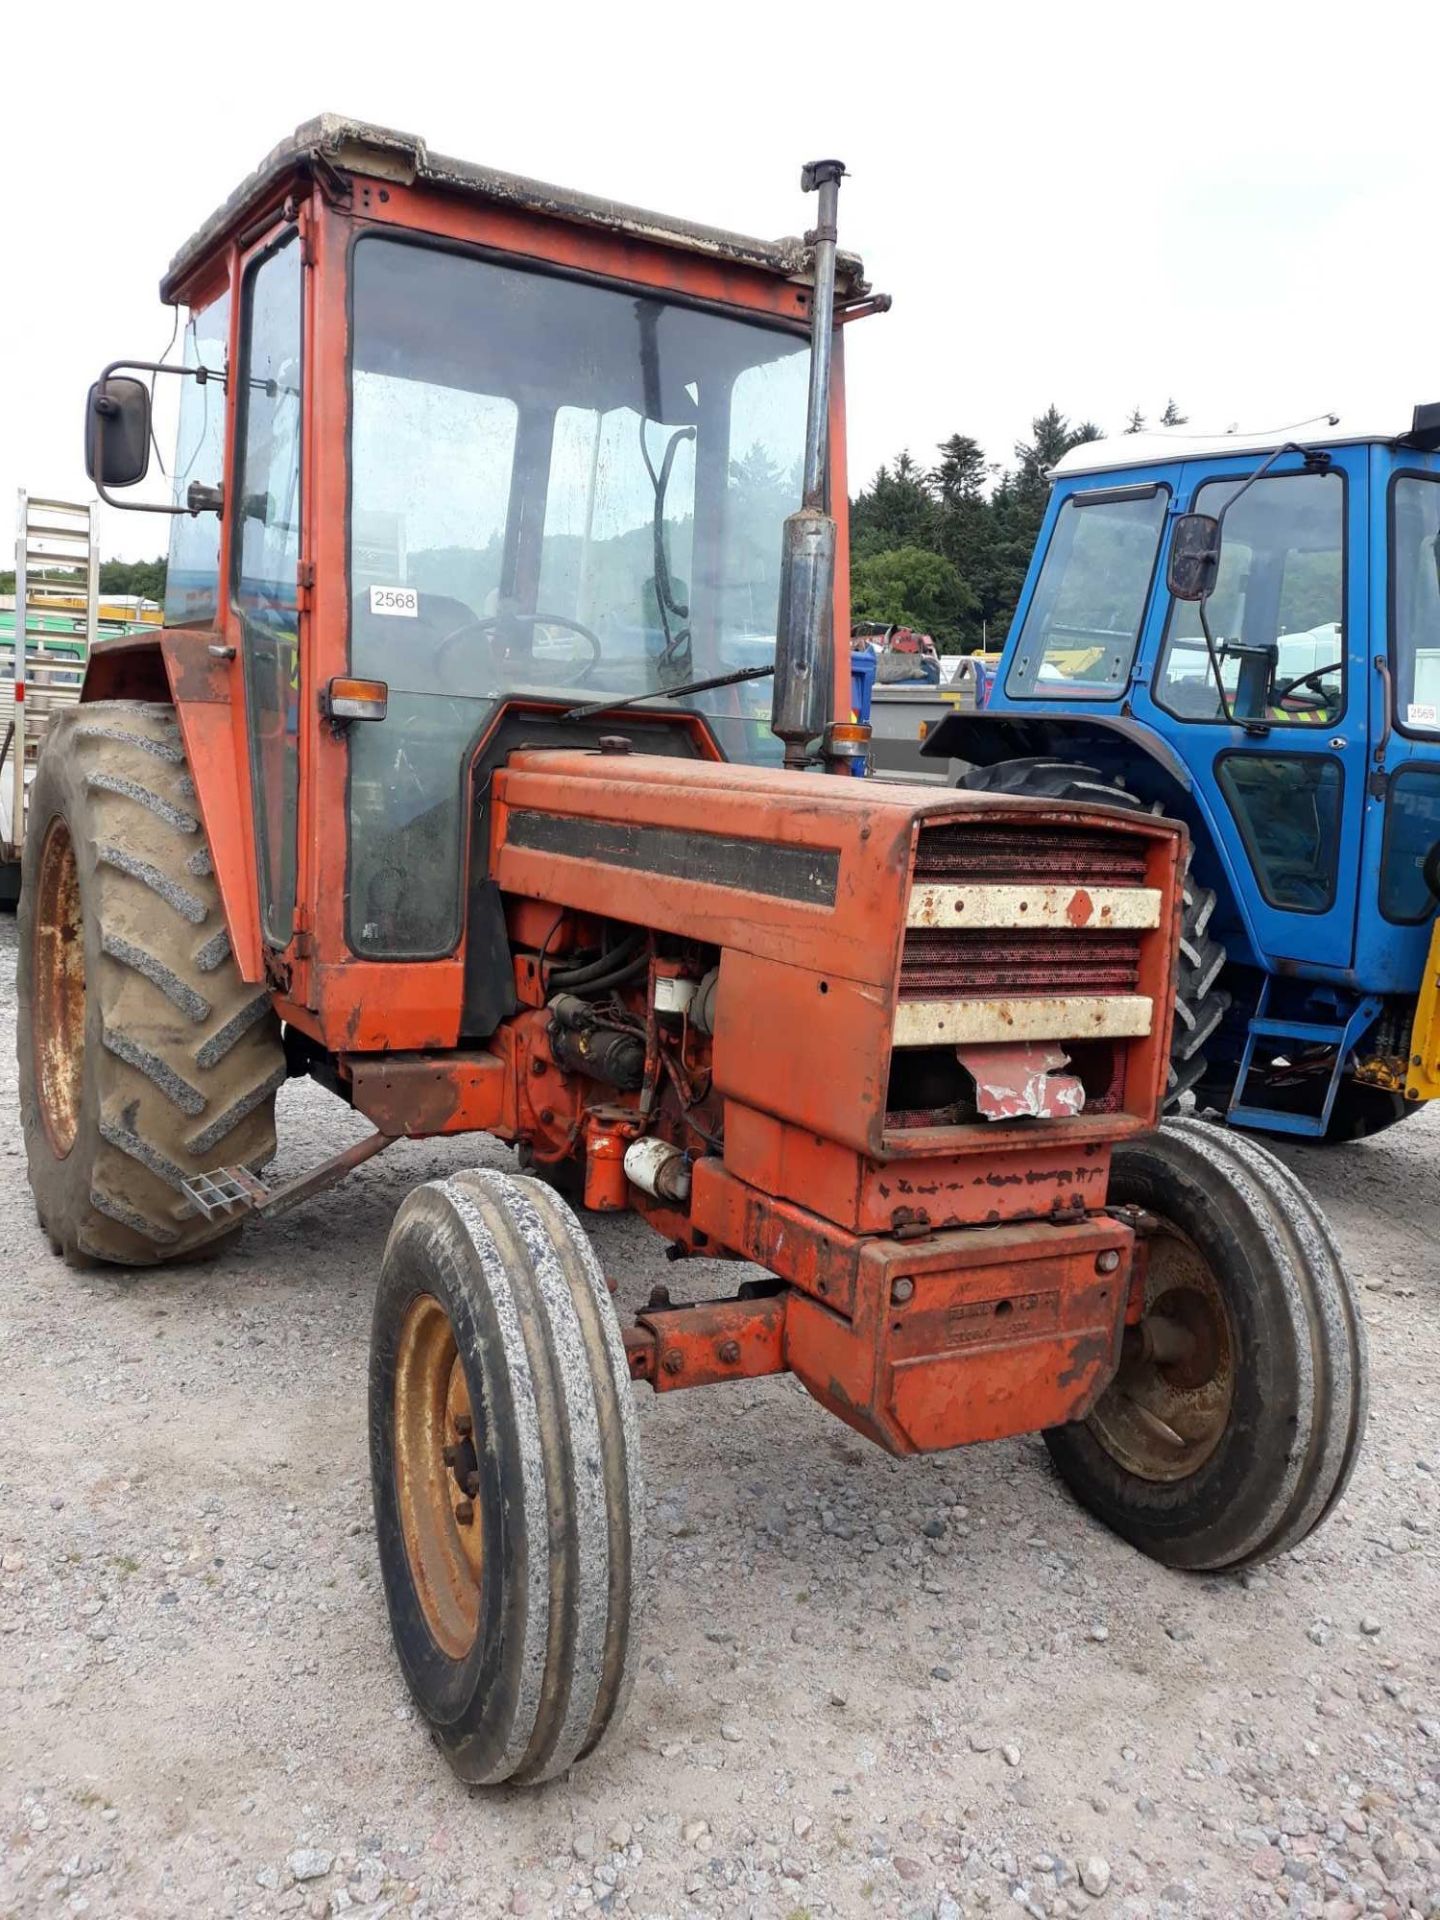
[{"x": 804, "y": 638}]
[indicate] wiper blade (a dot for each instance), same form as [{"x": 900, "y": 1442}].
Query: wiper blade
[{"x": 668, "y": 693}]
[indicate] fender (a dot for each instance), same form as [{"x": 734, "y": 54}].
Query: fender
[
  {"x": 985, "y": 738},
  {"x": 128, "y": 666},
  {"x": 177, "y": 667}
]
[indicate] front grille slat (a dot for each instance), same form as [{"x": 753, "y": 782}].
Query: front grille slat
[
  {"x": 954, "y": 962},
  {"x": 1076, "y": 856}
]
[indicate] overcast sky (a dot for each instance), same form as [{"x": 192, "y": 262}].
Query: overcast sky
[{"x": 1099, "y": 204}]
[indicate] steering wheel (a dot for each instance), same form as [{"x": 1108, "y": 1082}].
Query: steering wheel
[
  {"x": 485, "y": 627},
  {"x": 1286, "y": 688}
]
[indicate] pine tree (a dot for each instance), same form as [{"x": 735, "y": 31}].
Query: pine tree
[
  {"x": 1172, "y": 416},
  {"x": 1137, "y": 421}
]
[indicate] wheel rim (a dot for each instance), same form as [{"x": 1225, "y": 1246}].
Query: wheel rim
[
  {"x": 1166, "y": 1410},
  {"x": 59, "y": 1010},
  {"x": 436, "y": 1476}
]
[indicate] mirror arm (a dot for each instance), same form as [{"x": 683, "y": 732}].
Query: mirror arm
[
  {"x": 203, "y": 375},
  {"x": 1290, "y": 446},
  {"x": 1256, "y": 728}
]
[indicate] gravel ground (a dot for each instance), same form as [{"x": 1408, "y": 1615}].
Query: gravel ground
[{"x": 928, "y": 1689}]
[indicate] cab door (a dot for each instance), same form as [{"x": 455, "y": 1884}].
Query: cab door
[
  {"x": 265, "y": 562},
  {"x": 1284, "y": 793},
  {"x": 1402, "y": 820}
]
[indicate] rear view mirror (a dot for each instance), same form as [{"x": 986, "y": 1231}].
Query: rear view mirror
[
  {"x": 117, "y": 431},
  {"x": 1194, "y": 556}
]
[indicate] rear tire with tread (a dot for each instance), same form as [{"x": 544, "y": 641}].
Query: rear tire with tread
[{"x": 181, "y": 1058}]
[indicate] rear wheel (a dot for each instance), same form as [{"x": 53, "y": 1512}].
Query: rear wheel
[
  {"x": 1232, "y": 1425},
  {"x": 505, "y": 1466},
  {"x": 144, "y": 1057},
  {"x": 1200, "y": 1003}
]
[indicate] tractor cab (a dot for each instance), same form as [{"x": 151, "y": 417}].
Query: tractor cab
[
  {"x": 461, "y": 455},
  {"x": 1245, "y": 634}
]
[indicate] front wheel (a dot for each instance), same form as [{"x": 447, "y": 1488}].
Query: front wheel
[
  {"x": 505, "y": 1463},
  {"x": 1232, "y": 1425}
]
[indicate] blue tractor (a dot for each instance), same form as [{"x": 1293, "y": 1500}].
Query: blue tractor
[{"x": 1244, "y": 633}]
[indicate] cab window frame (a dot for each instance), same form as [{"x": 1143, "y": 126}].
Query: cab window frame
[
  {"x": 1088, "y": 500},
  {"x": 1426, "y": 736},
  {"x": 492, "y": 712},
  {"x": 1162, "y": 653},
  {"x": 1245, "y": 829}
]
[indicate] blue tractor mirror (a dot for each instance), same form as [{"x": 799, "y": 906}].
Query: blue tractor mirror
[{"x": 1194, "y": 556}]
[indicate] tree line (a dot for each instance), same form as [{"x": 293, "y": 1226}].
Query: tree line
[
  {"x": 145, "y": 577},
  {"x": 945, "y": 548}
]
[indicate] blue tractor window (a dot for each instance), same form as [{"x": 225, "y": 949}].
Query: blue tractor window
[
  {"x": 1415, "y": 602},
  {"x": 1277, "y": 613},
  {"x": 1085, "y": 615},
  {"x": 1287, "y": 807},
  {"x": 1412, "y": 827}
]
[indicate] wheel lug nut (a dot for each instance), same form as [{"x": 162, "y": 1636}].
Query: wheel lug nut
[
  {"x": 463, "y": 1425},
  {"x": 450, "y": 1455},
  {"x": 472, "y": 1483},
  {"x": 464, "y": 1513}
]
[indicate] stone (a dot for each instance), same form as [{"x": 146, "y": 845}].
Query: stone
[
  {"x": 310, "y": 1863},
  {"x": 1369, "y": 1625},
  {"x": 1095, "y": 1875}
]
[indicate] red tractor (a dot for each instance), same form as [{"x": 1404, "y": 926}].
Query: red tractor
[{"x": 452, "y": 782}]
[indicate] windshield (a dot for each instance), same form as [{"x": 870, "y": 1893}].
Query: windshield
[
  {"x": 557, "y": 488},
  {"x": 1276, "y": 615},
  {"x": 1085, "y": 615}
]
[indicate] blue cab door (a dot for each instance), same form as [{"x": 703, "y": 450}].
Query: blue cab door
[{"x": 1285, "y": 794}]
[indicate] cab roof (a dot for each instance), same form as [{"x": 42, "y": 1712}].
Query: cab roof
[
  {"x": 1162, "y": 449},
  {"x": 333, "y": 144}
]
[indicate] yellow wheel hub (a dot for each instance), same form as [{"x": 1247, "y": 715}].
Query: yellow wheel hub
[{"x": 437, "y": 1479}]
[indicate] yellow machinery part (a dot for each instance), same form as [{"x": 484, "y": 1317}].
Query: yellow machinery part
[{"x": 1422, "y": 1082}]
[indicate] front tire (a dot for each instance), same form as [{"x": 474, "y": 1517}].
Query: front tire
[
  {"x": 505, "y": 1467},
  {"x": 144, "y": 1057},
  {"x": 1233, "y": 1423}
]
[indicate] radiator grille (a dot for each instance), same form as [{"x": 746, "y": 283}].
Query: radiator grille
[
  {"x": 945, "y": 962},
  {"x": 1007, "y": 854},
  {"x": 952, "y": 962}
]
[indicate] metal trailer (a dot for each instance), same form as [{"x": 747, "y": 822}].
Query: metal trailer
[
  {"x": 42, "y": 658},
  {"x": 904, "y": 713}
]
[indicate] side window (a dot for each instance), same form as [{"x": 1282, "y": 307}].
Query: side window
[
  {"x": 1287, "y": 807},
  {"x": 1412, "y": 827},
  {"x": 1085, "y": 615},
  {"x": 1277, "y": 613},
  {"x": 1415, "y": 601},
  {"x": 266, "y": 547},
  {"x": 192, "y": 578}
]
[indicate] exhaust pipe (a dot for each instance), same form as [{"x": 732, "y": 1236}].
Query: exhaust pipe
[{"x": 804, "y": 637}]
